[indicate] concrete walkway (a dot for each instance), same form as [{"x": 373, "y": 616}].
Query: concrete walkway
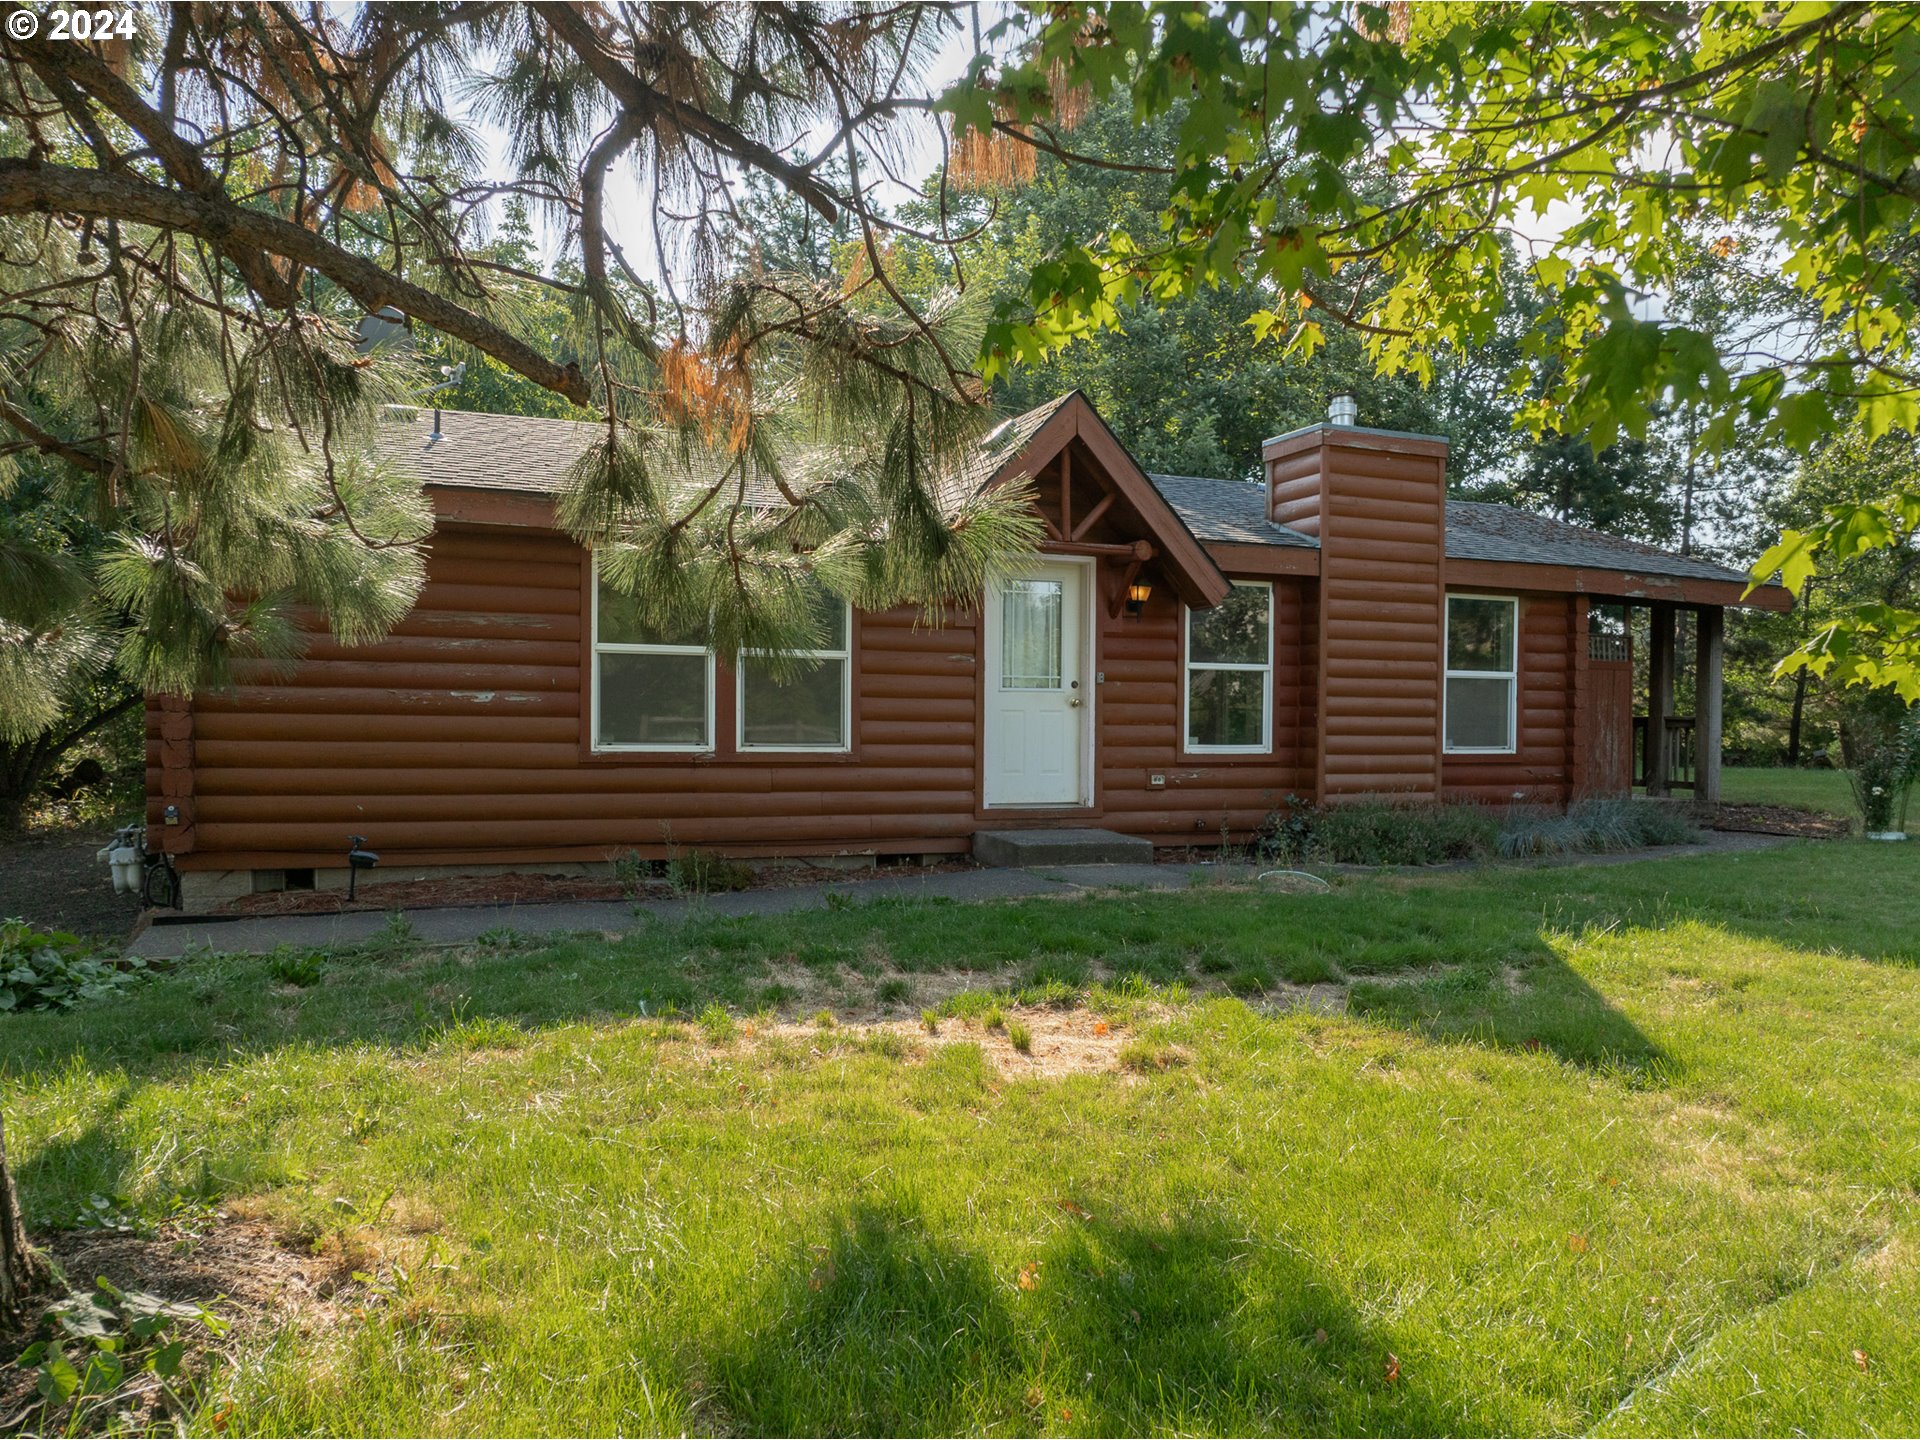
[{"x": 259, "y": 933}]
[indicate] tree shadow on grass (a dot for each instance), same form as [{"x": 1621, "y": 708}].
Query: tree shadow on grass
[
  {"x": 885, "y": 1326},
  {"x": 72, "y": 1181},
  {"x": 1532, "y": 1002}
]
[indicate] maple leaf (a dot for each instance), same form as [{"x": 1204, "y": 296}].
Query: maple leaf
[
  {"x": 1030, "y": 1275},
  {"x": 1393, "y": 1367},
  {"x": 1577, "y": 1244},
  {"x": 1860, "y": 1359},
  {"x": 1100, "y": 1027}
]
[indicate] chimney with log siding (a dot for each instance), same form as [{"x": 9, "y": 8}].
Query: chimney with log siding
[{"x": 1376, "y": 502}]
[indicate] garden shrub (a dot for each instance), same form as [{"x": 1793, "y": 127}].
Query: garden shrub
[
  {"x": 1385, "y": 834},
  {"x": 1381, "y": 834}
]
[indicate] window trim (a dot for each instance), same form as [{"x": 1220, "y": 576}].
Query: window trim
[
  {"x": 844, "y": 655},
  {"x": 613, "y": 647},
  {"x": 1511, "y": 675},
  {"x": 1187, "y": 667}
]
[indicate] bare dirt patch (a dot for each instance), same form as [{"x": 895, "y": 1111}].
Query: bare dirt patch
[
  {"x": 237, "y": 1269},
  {"x": 1063, "y": 1042}
]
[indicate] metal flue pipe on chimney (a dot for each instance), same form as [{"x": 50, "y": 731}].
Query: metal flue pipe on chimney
[{"x": 1343, "y": 410}]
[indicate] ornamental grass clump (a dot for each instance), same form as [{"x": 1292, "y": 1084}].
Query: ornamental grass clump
[{"x": 1593, "y": 827}]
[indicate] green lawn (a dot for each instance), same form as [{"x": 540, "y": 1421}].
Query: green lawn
[
  {"x": 1620, "y": 1148},
  {"x": 1808, "y": 789}
]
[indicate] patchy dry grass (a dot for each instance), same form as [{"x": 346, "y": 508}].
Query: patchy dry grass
[{"x": 1630, "y": 1150}]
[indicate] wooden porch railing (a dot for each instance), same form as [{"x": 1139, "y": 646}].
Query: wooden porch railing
[{"x": 1680, "y": 751}]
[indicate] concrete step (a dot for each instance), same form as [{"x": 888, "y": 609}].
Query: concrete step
[{"x": 1060, "y": 847}]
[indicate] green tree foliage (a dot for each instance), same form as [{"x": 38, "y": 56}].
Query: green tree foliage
[
  {"x": 1795, "y": 125},
  {"x": 1187, "y": 384},
  {"x": 192, "y": 221}
]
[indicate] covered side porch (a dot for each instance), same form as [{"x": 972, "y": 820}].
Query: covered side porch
[{"x": 1671, "y": 745}]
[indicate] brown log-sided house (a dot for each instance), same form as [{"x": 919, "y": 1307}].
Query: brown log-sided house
[{"x": 1181, "y": 656}]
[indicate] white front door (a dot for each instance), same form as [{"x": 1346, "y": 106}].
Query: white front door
[{"x": 1038, "y": 702}]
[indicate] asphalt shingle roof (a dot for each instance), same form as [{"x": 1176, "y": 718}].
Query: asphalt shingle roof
[
  {"x": 484, "y": 452},
  {"x": 534, "y": 454},
  {"x": 1477, "y": 530},
  {"x": 1227, "y": 511},
  {"x": 526, "y": 453}
]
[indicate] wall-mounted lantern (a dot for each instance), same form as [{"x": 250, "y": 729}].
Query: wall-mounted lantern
[{"x": 1138, "y": 593}]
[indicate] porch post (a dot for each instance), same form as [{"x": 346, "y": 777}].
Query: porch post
[
  {"x": 1707, "y": 722},
  {"x": 1659, "y": 694}
]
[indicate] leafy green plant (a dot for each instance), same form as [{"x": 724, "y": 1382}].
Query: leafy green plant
[
  {"x": 1881, "y": 740},
  {"x": 631, "y": 871},
  {"x": 1287, "y": 834},
  {"x": 930, "y": 1021},
  {"x": 54, "y": 970},
  {"x": 300, "y": 968},
  {"x": 695, "y": 872},
  {"x": 895, "y": 991},
  {"x": 1019, "y": 1036},
  {"x": 108, "y": 1347}
]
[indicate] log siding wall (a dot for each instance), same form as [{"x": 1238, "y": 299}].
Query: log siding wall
[
  {"x": 463, "y": 739},
  {"x": 1550, "y": 652}
]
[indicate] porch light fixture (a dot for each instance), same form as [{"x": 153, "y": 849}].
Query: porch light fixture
[{"x": 1138, "y": 593}]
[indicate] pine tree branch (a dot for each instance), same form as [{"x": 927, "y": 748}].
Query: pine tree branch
[
  {"x": 650, "y": 107},
  {"x": 33, "y": 187},
  {"x": 47, "y": 443},
  {"x": 86, "y": 71}
]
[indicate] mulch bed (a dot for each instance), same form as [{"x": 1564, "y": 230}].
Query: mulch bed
[
  {"x": 1782, "y": 820},
  {"x": 54, "y": 879}
]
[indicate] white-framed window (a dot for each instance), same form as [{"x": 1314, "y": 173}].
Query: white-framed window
[
  {"x": 812, "y": 709},
  {"x": 651, "y": 690},
  {"x": 1228, "y": 700},
  {"x": 1483, "y": 636}
]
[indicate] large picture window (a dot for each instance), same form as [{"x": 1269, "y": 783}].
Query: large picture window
[
  {"x": 811, "y": 708},
  {"x": 1229, "y": 680},
  {"x": 1482, "y": 633},
  {"x": 652, "y": 690}
]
